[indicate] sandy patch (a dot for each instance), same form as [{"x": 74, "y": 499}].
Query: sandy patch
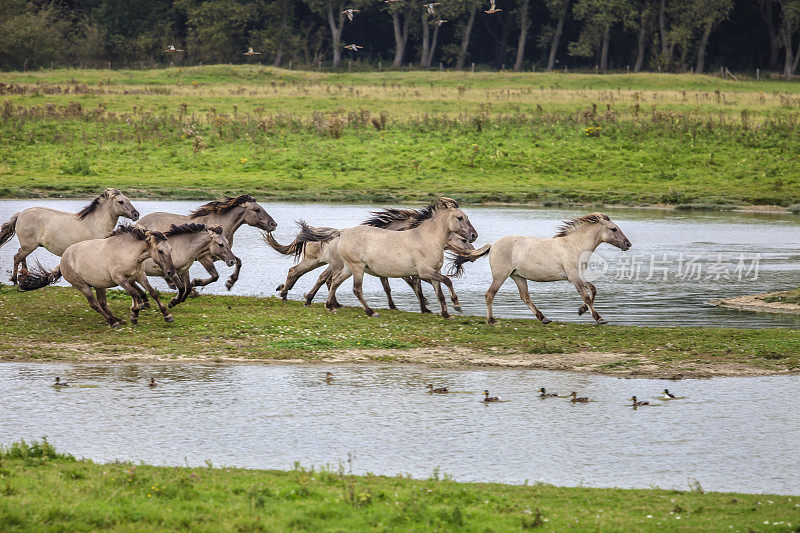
[{"x": 755, "y": 302}]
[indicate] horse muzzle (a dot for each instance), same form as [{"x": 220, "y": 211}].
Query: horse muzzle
[
  {"x": 134, "y": 216},
  {"x": 269, "y": 226},
  {"x": 625, "y": 246}
]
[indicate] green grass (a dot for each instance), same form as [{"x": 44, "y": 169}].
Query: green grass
[
  {"x": 789, "y": 297},
  {"x": 56, "y": 323},
  {"x": 43, "y": 490},
  {"x": 400, "y": 136}
]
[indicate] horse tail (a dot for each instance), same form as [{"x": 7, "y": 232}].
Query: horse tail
[
  {"x": 38, "y": 277},
  {"x": 8, "y": 229},
  {"x": 459, "y": 256},
  {"x": 311, "y": 234},
  {"x": 278, "y": 247}
]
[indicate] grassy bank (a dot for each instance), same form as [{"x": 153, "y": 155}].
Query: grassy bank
[
  {"x": 47, "y": 491},
  {"x": 56, "y": 323},
  {"x": 399, "y": 136}
]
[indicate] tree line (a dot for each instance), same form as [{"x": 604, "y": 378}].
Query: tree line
[{"x": 636, "y": 35}]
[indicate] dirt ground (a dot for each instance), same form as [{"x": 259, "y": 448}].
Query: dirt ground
[{"x": 755, "y": 302}]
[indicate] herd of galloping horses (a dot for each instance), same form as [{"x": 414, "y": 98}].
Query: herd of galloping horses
[{"x": 394, "y": 243}]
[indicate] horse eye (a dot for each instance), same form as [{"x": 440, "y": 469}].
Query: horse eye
[
  {"x": 614, "y": 230},
  {"x": 120, "y": 202},
  {"x": 460, "y": 218}
]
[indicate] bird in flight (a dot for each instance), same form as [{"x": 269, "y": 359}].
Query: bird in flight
[
  {"x": 431, "y": 6},
  {"x": 171, "y": 48},
  {"x": 250, "y": 52},
  {"x": 350, "y": 13},
  {"x": 440, "y": 22},
  {"x": 492, "y": 7},
  {"x": 353, "y": 47}
]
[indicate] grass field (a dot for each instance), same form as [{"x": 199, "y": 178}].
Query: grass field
[
  {"x": 482, "y": 137},
  {"x": 56, "y": 323},
  {"x": 128, "y": 497}
]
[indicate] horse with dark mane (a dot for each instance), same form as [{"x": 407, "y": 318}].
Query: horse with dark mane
[
  {"x": 231, "y": 213},
  {"x": 105, "y": 263}
]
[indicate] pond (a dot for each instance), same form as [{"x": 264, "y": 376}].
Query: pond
[
  {"x": 678, "y": 263},
  {"x": 728, "y": 434}
]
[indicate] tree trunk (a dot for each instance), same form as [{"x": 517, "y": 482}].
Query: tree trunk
[
  {"x": 551, "y": 61},
  {"x": 642, "y": 40},
  {"x": 701, "y": 49},
  {"x": 433, "y": 44},
  {"x": 400, "y": 36},
  {"x": 336, "y": 33},
  {"x": 662, "y": 28},
  {"x": 523, "y": 35},
  {"x": 426, "y": 32},
  {"x": 604, "y": 50},
  {"x": 787, "y": 45},
  {"x": 796, "y": 58},
  {"x": 284, "y": 25},
  {"x": 765, "y": 8},
  {"x": 501, "y": 44},
  {"x": 462, "y": 53}
]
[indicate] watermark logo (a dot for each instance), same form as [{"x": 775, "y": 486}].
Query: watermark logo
[
  {"x": 674, "y": 267},
  {"x": 593, "y": 266}
]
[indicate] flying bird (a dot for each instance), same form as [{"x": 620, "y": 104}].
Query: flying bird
[
  {"x": 431, "y": 6},
  {"x": 390, "y": 1},
  {"x": 440, "y": 22},
  {"x": 171, "y": 48},
  {"x": 250, "y": 52},
  {"x": 350, "y": 13},
  {"x": 492, "y": 7},
  {"x": 353, "y": 47}
]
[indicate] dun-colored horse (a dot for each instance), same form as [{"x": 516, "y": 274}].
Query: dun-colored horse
[
  {"x": 417, "y": 251},
  {"x": 561, "y": 258},
  {"x": 110, "y": 262},
  {"x": 57, "y": 230},
  {"x": 230, "y": 213}
]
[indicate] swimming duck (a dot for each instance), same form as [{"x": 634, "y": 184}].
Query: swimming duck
[
  {"x": 492, "y": 7},
  {"x": 171, "y": 48},
  {"x": 350, "y": 13},
  {"x": 440, "y": 390},
  {"x": 353, "y": 47},
  {"x": 575, "y": 399},
  {"x": 329, "y": 376},
  {"x": 250, "y": 52},
  {"x": 545, "y": 394},
  {"x": 59, "y": 383},
  {"x": 487, "y": 398},
  {"x": 152, "y": 383},
  {"x": 430, "y": 7},
  {"x": 637, "y": 403},
  {"x": 668, "y": 395},
  {"x": 440, "y": 22}
]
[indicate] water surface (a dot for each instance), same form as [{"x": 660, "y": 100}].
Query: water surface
[{"x": 729, "y": 434}]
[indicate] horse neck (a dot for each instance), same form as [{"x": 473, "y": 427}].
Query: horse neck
[
  {"x": 398, "y": 225},
  {"x": 436, "y": 229},
  {"x": 230, "y": 221},
  {"x": 586, "y": 239},
  {"x": 191, "y": 245},
  {"x": 103, "y": 217},
  {"x": 140, "y": 250}
]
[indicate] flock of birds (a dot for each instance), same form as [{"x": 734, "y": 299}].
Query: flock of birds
[
  {"x": 487, "y": 398},
  {"x": 351, "y": 15}
]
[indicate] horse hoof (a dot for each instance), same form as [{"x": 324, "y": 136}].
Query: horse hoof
[
  {"x": 491, "y": 321},
  {"x": 373, "y": 314},
  {"x": 546, "y": 320},
  {"x": 173, "y": 303},
  {"x": 116, "y": 325},
  {"x": 280, "y": 287},
  {"x": 457, "y": 308},
  {"x": 582, "y": 310},
  {"x": 393, "y": 307},
  {"x": 168, "y": 319},
  {"x": 194, "y": 294},
  {"x": 601, "y": 321},
  {"x": 447, "y": 315},
  {"x": 229, "y": 285}
]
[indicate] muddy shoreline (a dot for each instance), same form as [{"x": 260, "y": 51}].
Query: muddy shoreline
[
  {"x": 593, "y": 362},
  {"x": 755, "y": 302}
]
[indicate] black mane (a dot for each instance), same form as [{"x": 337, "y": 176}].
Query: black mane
[{"x": 221, "y": 206}]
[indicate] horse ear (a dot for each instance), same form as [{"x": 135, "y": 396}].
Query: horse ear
[
  {"x": 216, "y": 229},
  {"x": 173, "y": 227}
]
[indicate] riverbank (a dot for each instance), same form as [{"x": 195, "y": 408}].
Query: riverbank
[
  {"x": 694, "y": 142},
  {"x": 128, "y": 497},
  {"x": 56, "y": 324}
]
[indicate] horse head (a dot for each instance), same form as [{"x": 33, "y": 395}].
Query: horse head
[
  {"x": 257, "y": 216},
  {"x": 161, "y": 253},
  {"x": 120, "y": 204},
  {"x": 220, "y": 248},
  {"x": 612, "y": 234}
]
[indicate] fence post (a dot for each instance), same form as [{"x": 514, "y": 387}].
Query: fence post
[
  {"x": 349, "y": 66},
  {"x": 441, "y": 67},
  {"x": 758, "y": 73},
  {"x": 472, "y": 68},
  {"x": 379, "y": 67}
]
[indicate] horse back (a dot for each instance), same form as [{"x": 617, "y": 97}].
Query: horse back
[{"x": 160, "y": 221}]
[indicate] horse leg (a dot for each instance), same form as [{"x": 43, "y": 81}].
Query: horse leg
[
  {"x": 144, "y": 302},
  {"x": 235, "y": 276},
  {"x": 522, "y": 285},
  {"x": 416, "y": 285},
  {"x": 388, "y": 290},
  {"x": 208, "y": 264},
  {"x": 358, "y": 280},
  {"x": 183, "y": 289},
  {"x": 323, "y": 278},
  {"x": 497, "y": 282},
  {"x": 580, "y": 286},
  {"x": 295, "y": 273},
  {"x": 102, "y": 309},
  {"x": 436, "y": 279},
  {"x": 19, "y": 258},
  {"x": 154, "y": 293},
  {"x": 133, "y": 291},
  {"x": 585, "y": 307},
  {"x": 337, "y": 280}
]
